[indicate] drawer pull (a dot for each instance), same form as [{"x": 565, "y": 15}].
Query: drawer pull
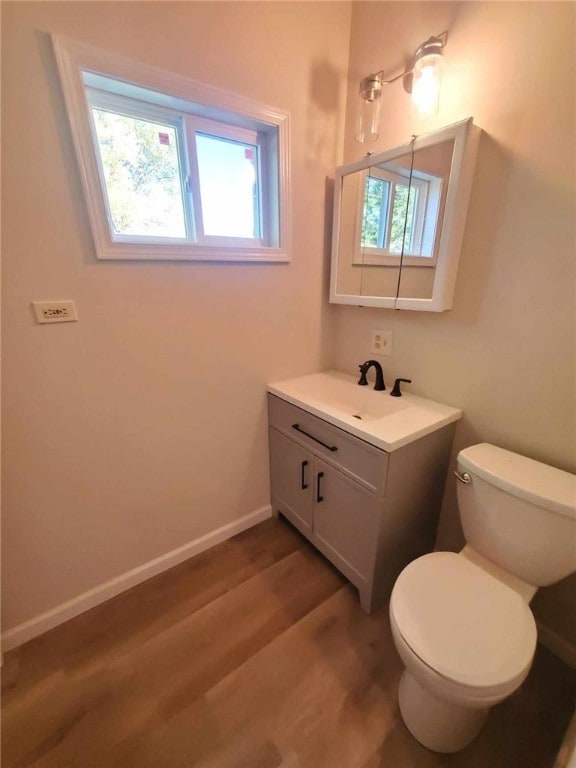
[
  {"x": 319, "y": 498},
  {"x": 303, "y": 484},
  {"x": 298, "y": 428}
]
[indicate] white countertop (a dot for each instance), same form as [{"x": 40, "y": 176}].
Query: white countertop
[{"x": 386, "y": 422}]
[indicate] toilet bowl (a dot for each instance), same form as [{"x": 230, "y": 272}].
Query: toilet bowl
[
  {"x": 462, "y": 623},
  {"x": 467, "y": 642}
]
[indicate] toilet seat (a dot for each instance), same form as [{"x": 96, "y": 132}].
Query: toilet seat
[{"x": 460, "y": 621}]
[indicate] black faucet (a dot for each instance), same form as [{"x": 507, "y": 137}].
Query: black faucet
[
  {"x": 396, "y": 388},
  {"x": 365, "y": 367}
]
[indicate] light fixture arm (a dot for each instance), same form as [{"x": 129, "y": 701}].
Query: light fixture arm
[{"x": 393, "y": 79}]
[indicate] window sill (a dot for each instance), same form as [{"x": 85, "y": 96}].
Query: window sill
[
  {"x": 373, "y": 260},
  {"x": 187, "y": 252}
]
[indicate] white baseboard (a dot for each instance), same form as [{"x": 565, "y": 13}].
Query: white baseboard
[
  {"x": 93, "y": 597},
  {"x": 557, "y": 644}
]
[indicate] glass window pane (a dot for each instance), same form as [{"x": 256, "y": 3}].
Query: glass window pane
[
  {"x": 375, "y": 212},
  {"x": 142, "y": 173},
  {"x": 411, "y": 220},
  {"x": 228, "y": 172},
  {"x": 402, "y": 217}
]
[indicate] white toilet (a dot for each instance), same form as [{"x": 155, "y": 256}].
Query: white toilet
[{"x": 462, "y": 622}]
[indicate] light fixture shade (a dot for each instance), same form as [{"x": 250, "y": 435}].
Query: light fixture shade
[
  {"x": 368, "y": 121},
  {"x": 368, "y": 124},
  {"x": 427, "y": 78}
]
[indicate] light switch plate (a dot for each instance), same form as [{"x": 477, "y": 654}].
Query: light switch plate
[{"x": 55, "y": 311}]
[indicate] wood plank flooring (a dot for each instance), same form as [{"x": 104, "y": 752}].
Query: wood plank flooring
[{"x": 255, "y": 654}]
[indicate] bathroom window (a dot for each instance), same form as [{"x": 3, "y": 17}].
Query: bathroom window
[
  {"x": 174, "y": 169},
  {"x": 168, "y": 175}
]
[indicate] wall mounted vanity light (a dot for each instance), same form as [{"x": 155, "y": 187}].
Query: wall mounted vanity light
[{"x": 422, "y": 81}]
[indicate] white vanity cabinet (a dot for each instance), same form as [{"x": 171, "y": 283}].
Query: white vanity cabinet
[{"x": 369, "y": 511}]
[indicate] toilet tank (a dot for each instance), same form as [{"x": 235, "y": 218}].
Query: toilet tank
[{"x": 518, "y": 513}]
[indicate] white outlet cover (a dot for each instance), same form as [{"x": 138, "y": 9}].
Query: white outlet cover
[
  {"x": 55, "y": 311},
  {"x": 381, "y": 343}
]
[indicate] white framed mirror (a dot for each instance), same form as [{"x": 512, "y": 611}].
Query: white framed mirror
[{"x": 399, "y": 219}]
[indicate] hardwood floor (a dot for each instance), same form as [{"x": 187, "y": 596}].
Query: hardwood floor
[{"x": 255, "y": 654}]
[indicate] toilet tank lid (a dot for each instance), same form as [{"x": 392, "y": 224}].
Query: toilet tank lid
[{"x": 546, "y": 486}]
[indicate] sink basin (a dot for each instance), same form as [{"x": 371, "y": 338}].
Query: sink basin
[
  {"x": 384, "y": 421},
  {"x": 342, "y": 394}
]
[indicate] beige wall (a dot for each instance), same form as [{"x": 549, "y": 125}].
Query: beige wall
[
  {"x": 505, "y": 352},
  {"x": 143, "y": 426}
]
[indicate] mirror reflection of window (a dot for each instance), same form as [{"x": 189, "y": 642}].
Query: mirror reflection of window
[
  {"x": 400, "y": 215},
  {"x": 401, "y": 219},
  {"x": 375, "y": 218}
]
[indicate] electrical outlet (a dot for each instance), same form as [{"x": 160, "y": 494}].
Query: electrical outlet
[
  {"x": 55, "y": 311},
  {"x": 381, "y": 343}
]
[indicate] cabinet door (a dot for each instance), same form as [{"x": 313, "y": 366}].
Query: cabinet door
[
  {"x": 291, "y": 479},
  {"x": 346, "y": 522}
]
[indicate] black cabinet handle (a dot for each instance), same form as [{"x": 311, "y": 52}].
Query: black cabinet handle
[
  {"x": 318, "y": 478},
  {"x": 303, "y": 485},
  {"x": 298, "y": 428}
]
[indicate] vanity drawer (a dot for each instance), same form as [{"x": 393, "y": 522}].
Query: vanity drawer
[{"x": 363, "y": 462}]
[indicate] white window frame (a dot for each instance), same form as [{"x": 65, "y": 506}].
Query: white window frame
[
  {"x": 190, "y": 107},
  {"x": 420, "y": 254}
]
